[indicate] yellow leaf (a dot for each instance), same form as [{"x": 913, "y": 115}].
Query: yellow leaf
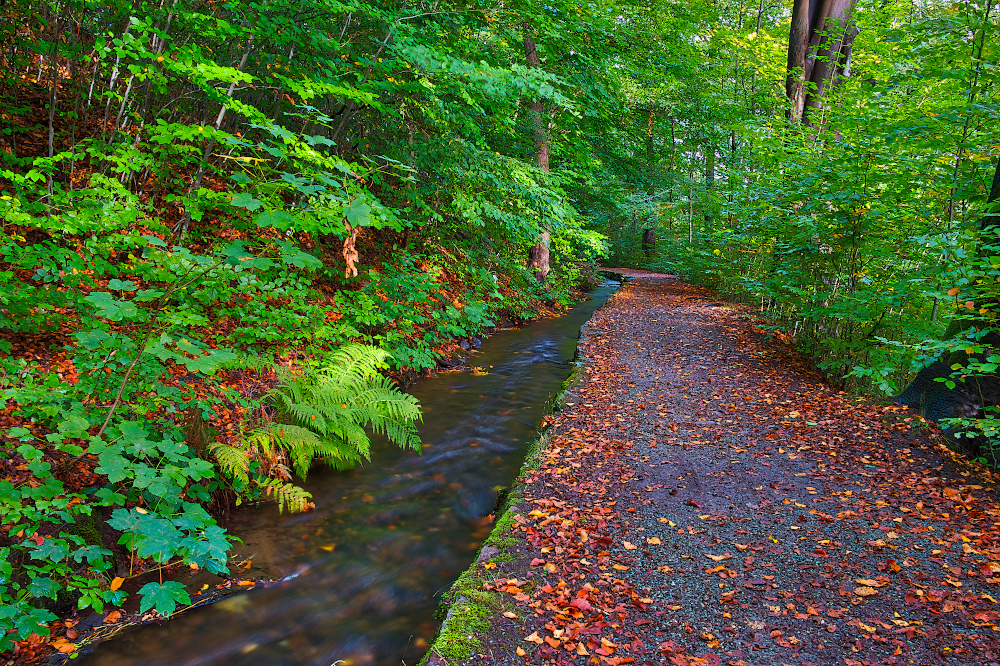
[
  {"x": 868, "y": 582},
  {"x": 654, "y": 541},
  {"x": 520, "y": 652},
  {"x": 619, "y": 567}
]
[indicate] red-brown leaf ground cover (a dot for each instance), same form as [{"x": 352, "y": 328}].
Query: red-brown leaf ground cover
[{"x": 706, "y": 499}]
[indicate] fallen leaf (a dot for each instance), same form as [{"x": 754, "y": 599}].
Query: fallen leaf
[
  {"x": 117, "y": 582},
  {"x": 630, "y": 546},
  {"x": 718, "y": 558},
  {"x": 64, "y": 645},
  {"x": 534, "y": 638},
  {"x": 865, "y": 591},
  {"x": 654, "y": 541}
]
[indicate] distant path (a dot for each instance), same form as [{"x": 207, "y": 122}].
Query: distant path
[{"x": 707, "y": 500}]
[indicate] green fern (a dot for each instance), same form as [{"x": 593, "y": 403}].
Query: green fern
[
  {"x": 234, "y": 462},
  {"x": 324, "y": 414},
  {"x": 289, "y": 496}
]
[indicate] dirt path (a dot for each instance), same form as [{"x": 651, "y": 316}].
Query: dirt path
[{"x": 704, "y": 499}]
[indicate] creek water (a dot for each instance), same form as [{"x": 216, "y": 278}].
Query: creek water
[{"x": 366, "y": 569}]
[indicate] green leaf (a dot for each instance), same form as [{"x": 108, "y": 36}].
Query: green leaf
[
  {"x": 163, "y": 597},
  {"x": 278, "y": 219},
  {"x": 34, "y": 621},
  {"x": 293, "y": 256},
  {"x": 113, "y": 465},
  {"x": 121, "y": 285},
  {"x": 44, "y": 587},
  {"x": 358, "y": 213},
  {"x": 91, "y": 339},
  {"x": 246, "y": 200}
]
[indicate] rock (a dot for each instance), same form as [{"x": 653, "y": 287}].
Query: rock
[{"x": 487, "y": 553}]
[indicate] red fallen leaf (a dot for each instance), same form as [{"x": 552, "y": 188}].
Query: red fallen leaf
[
  {"x": 695, "y": 503},
  {"x": 537, "y": 561},
  {"x": 582, "y": 604},
  {"x": 833, "y": 612}
]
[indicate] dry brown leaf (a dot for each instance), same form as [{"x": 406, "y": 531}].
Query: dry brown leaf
[
  {"x": 868, "y": 582},
  {"x": 718, "y": 558},
  {"x": 63, "y": 645},
  {"x": 865, "y": 591}
]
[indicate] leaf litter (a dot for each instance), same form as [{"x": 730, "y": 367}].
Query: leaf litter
[{"x": 706, "y": 499}]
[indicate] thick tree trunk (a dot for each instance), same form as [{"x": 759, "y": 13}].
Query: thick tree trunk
[
  {"x": 538, "y": 255},
  {"x": 819, "y": 44},
  {"x": 648, "y": 242}
]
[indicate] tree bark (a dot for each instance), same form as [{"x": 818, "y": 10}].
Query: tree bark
[
  {"x": 819, "y": 42},
  {"x": 538, "y": 255}
]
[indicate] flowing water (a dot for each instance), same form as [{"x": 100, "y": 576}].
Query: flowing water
[{"x": 366, "y": 569}]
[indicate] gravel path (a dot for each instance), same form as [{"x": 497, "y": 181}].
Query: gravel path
[{"x": 705, "y": 499}]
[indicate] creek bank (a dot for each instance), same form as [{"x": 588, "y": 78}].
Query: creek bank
[
  {"x": 704, "y": 498},
  {"x": 385, "y": 539}
]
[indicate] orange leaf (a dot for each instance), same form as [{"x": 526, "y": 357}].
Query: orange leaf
[{"x": 116, "y": 583}]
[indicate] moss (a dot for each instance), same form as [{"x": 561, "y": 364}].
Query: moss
[
  {"x": 86, "y": 527},
  {"x": 470, "y": 608}
]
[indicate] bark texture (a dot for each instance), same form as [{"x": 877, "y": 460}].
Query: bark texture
[
  {"x": 819, "y": 49},
  {"x": 538, "y": 255}
]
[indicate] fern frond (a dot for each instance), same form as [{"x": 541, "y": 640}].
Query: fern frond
[
  {"x": 289, "y": 496},
  {"x": 323, "y": 414},
  {"x": 355, "y": 364},
  {"x": 233, "y": 461}
]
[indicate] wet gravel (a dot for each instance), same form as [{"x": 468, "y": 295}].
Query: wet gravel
[{"x": 713, "y": 501}]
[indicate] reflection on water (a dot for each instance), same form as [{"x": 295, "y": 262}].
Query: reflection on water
[{"x": 368, "y": 566}]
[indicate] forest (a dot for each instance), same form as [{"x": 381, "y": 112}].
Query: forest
[{"x": 233, "y": 230}]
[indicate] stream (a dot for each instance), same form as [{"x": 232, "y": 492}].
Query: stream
[{"x": 367, "y": 568}]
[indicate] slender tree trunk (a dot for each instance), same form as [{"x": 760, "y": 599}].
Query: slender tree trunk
[
  {"x": 538, "y": 255},
  {"x": 182, "y": 225}
]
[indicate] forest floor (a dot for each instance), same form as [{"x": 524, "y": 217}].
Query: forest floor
[{"x": 704, "y": 498}]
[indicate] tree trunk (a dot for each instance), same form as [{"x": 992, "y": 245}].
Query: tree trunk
[
  {"x": 538, "y": 255},
  {"x": 809, "y": 77}
]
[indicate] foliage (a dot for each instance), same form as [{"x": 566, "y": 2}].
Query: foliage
[{"x": 323, "y": 414}]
